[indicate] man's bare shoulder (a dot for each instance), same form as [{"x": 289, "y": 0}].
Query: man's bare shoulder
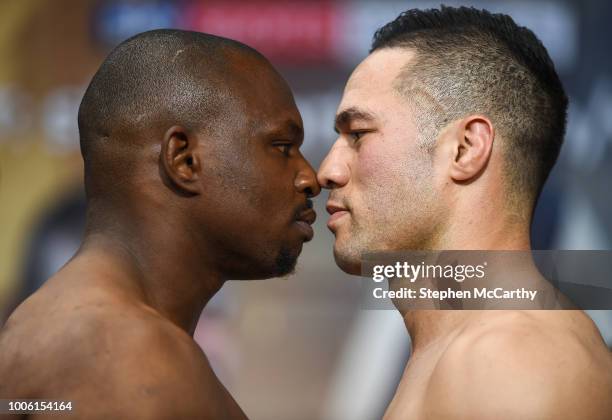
[
  {"x": 156, "y": 371},
  {"x": 519, "y": 364},
  {"x": 113, "y": 357}
]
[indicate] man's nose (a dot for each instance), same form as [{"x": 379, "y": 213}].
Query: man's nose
[
  {"x": 334, "y": 171},
  {"x": 306, "y": 181}
]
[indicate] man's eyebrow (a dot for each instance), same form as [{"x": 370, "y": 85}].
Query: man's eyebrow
[
  {"x": 295, "y": 129},
  {"x": 288, "y": 127},
  {"x": 349, "y": 115}
]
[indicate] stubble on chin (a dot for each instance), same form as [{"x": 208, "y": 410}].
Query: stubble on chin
[
  {"x": 285, "y": 262},
  {"x": 349, "y": 250}
]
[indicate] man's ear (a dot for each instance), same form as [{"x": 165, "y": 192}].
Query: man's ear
[
  {"x": 472, "y": 147},
  {"x": 180, "y": 160}
]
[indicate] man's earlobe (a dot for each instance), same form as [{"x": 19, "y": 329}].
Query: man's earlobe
[
  {"x": 180, "y": 161},
  {"x": 472, "y": 148}
]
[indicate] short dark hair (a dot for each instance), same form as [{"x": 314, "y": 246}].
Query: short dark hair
[{"x": 472, "y": 61}]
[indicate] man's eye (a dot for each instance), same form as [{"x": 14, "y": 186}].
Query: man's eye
[
  {"x": 356, "y": 135},
  {"x": 285, "y": 148}
]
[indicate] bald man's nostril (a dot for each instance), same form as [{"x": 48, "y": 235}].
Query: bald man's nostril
[
  {"x": 315, "y": 188},
  {"x": 306, "y": 182}
]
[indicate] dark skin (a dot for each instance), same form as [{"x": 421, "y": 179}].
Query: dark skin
[{"x": 112, "y": 330}]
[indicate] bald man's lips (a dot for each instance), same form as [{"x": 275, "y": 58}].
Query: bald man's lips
[
  {"x": 303, "y": 222},
  {"x": 336, "y": 211}
]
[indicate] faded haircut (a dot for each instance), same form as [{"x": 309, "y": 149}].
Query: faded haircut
[{"x": 470, "y": 61}]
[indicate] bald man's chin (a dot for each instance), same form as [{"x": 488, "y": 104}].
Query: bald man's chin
[{"x": 286, "y": 261}]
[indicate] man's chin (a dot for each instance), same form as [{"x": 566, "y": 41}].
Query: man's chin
[
  {"x": 350, "y": 264},
  {"x": 286, "y": 261}
]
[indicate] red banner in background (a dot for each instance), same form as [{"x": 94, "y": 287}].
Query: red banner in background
[{"x": 290, "y": 32}]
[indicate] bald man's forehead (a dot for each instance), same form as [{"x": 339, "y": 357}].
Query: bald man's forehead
[
  {"x": 274, "y": 116},
  {"x": 256, "y": 109},
  {"x": 264, "y": 93},
  {"x": 247, "y": 92}
]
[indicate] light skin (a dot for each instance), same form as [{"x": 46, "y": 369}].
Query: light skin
[
  {"x": 112, "y": 330},
  {"x": 388, "y": 192}
]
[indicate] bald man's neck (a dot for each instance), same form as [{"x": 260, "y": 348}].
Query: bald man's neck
[{"x": 173, "y": 280}]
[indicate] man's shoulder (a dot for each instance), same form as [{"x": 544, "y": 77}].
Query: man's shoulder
[
  {"x": 513, "y": 342},
  {"x": 132, "y": 340},
  {"x": 513, "y": 364},
  {"x": 75, "y": 334},
  {"x": 131, "y": 333},
  {"x": 152, "y": 366},
  {"x": 114, "y": 357},
  {"x": 97, "y": 321}
]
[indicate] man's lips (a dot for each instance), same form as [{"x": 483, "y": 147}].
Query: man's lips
[
  {"x": 303, "y": 222},
  {"x": 336, "y": 211}
]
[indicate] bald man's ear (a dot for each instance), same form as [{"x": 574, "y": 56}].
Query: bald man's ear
[
  {"x": 180, "y": 161},
  {"x": 472, "y": 148}
]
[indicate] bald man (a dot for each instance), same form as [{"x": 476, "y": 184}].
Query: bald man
[
  {"x": 446, "y": 133},
  {"x": 193, "y": 175}
]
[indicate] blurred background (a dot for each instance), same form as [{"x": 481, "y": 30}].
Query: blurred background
[{"x": 301, "y": 347}]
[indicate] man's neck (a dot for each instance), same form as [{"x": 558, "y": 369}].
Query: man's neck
[
  {"x": 171, "y": 279},
  {"x": 426, "y": 327}
]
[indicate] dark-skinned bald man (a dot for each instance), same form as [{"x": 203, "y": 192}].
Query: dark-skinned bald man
[{"x": 193, "y": 176}]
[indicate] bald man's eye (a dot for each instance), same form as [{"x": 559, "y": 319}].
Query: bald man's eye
[{"x": 284, "y": 148}]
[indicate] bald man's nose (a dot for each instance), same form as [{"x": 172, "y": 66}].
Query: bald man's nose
[
  {"x": 306, "y": 182},
  {"x": 334, "y": 171}
]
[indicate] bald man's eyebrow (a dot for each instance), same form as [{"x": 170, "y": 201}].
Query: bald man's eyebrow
[
  {"x": 295, "y": 129},
  {"x": 350, "y": 115},
  {"x": 289, "y": 129}
]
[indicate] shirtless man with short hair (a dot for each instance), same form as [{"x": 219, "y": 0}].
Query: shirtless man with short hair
[
  {"x": 194, "y": 176},
  {"x": 446, "y": 133}
]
